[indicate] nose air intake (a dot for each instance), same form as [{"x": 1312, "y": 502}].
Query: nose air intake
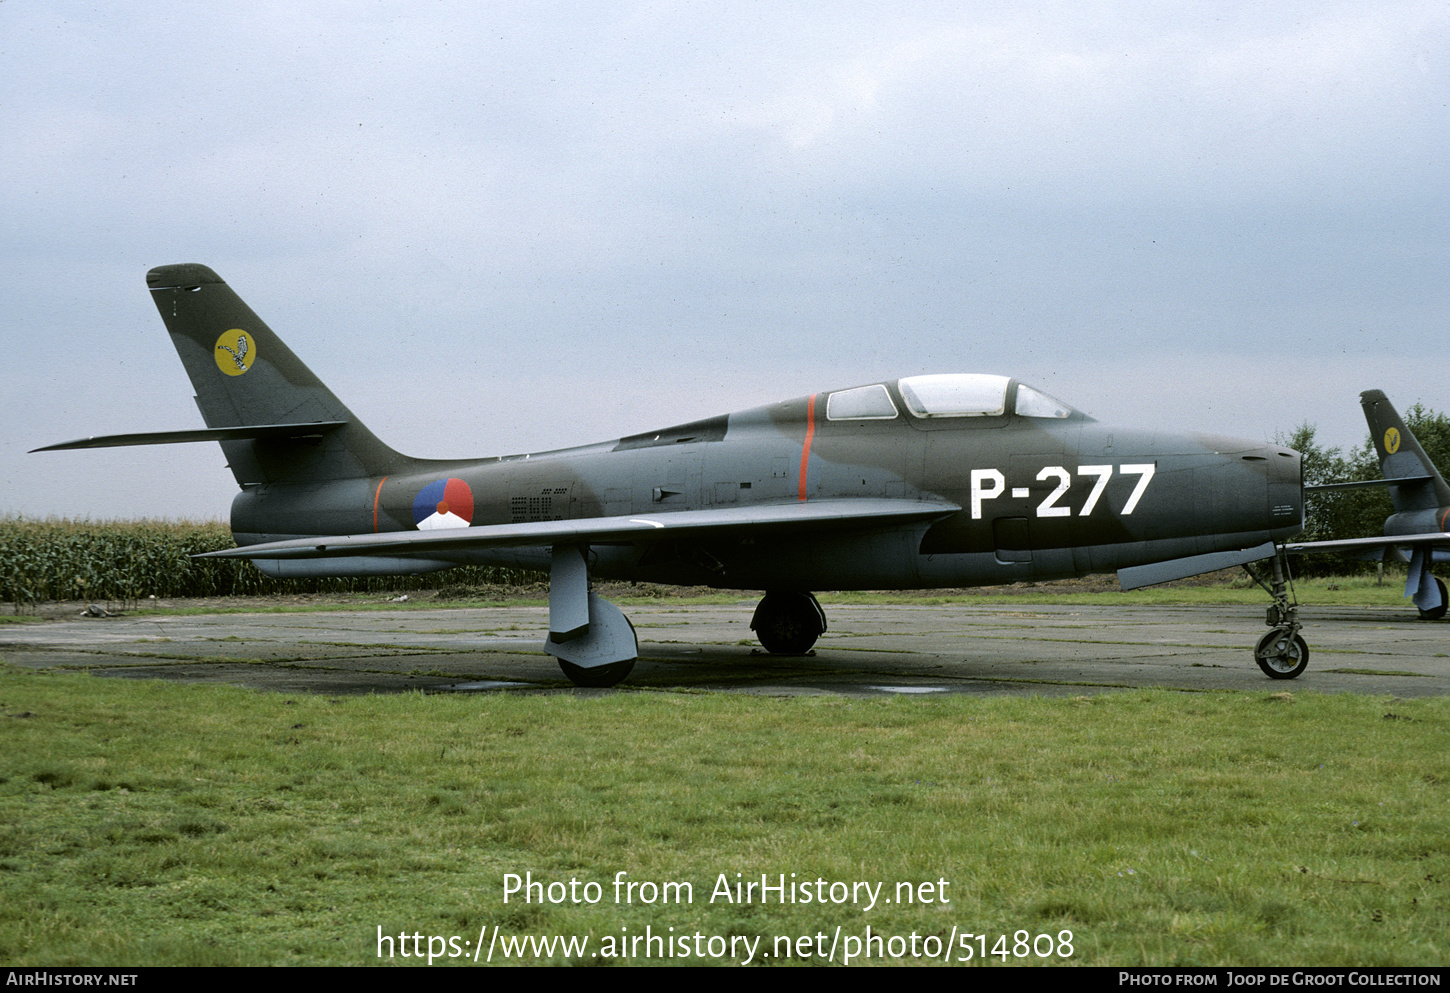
[{"x": 1286, "y": 492}]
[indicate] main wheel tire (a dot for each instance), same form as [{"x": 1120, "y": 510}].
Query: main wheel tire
[
  {"x": 787, "y": 623},
  {"x": 597, "y": 676},
  {"x": 1438, "y": 612},
  {"x": 1280, "y": 659}
]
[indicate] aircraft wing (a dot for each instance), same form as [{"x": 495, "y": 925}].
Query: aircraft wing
[
  {"x": 1395, "y": 481},
  {"x": 1384, "y": 541},
  {"x": 767, "y": 520}
]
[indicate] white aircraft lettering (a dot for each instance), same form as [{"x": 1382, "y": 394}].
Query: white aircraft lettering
[
  {"x": 979, "y": 494},
  {"x": 1048, "y": 508},
  {"x": 988, "y": 484}
]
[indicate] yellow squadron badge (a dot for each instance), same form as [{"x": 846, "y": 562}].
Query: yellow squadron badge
[
  {"x": 235, "y": 352},
  {"x": 1392, "y": 440}
]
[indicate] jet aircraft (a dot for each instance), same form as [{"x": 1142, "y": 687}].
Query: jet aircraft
[
  {"x": 919, "y": 482},
  {"x": 1417, "y": 529}
]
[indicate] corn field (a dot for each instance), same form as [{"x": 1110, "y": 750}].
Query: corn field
[{"x": 133, "y": 560}]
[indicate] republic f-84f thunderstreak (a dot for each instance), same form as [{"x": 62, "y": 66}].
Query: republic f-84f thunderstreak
[
  {"x": 1416, "y": 531},
  {"x": 925, "y": 481}
]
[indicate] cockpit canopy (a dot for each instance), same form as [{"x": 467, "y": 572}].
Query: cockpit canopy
[
  {"x": 945, "y": 395},
  {"x": 955, "y": 395}
]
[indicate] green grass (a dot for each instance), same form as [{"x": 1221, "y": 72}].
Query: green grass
[
  {"x": 1338, "y": 591},
  {"x": 1354, "y": 591},
  {"x": 147, "y": 823}
]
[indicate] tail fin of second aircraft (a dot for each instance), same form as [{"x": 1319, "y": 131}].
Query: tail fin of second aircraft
[
  {"x": 248, "y": 380},
  {"x": 1402, "y": 458}
]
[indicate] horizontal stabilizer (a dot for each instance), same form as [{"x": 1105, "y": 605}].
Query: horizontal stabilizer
[
  {"x": 726, "y": 522},
  {"x": 304, "y": 429},
  {"x": 1137, "y": 576},
  {"x": 1358, "y": 544},
  {"x": 1401, "y": 481}
]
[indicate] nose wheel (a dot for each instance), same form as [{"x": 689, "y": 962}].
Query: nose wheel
[{"x": 1281, "y": 653}]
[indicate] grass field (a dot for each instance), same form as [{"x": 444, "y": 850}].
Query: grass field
[
  {"x": 133, "y": 562},
  {"x": 1335, "y": 591},
  {"x": 144, "y": 823}
]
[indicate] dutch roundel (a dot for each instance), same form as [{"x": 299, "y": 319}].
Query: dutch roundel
[{"x": 448, "y": 503}]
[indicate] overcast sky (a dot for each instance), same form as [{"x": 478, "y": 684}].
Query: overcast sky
[{"x": 495, "y": 228}]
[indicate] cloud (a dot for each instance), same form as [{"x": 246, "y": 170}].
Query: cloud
[{"x": 585, "y": 221}]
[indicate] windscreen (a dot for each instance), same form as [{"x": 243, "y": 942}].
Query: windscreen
[
  {"x": 1035, "y": 403},
  {"x": 863, "y": 403}
]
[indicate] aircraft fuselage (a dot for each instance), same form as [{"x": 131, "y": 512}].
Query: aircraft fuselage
[
  {"x": 1041, "y": 498},
  {"x": 956, "y": 479}
]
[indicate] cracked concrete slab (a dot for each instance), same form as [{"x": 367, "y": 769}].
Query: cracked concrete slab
[{"x": 870, "y": 650}]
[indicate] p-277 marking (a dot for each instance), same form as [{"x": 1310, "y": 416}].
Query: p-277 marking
[{"x": 1048, "y": 507}]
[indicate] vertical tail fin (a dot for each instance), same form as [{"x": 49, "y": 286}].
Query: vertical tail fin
[
  {"x": 244, "y": 375},
  {"x": 1401, "y": 457}
]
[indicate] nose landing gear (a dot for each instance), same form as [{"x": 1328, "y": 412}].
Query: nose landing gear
[{"x": 1281, "y": 653}]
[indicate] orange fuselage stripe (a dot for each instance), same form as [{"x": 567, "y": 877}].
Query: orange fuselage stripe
[
  {"x": 376, "y": 497},
  {"x": 806, "y": 448}
]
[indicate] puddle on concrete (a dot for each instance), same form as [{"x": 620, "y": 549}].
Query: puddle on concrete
[
  {"x": 909, "y": 689},
  {"x": 487, "y": 684}
]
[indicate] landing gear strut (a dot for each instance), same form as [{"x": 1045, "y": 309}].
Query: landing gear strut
[
  {"x": 787, "y": 622},
  {"x": 1281, "y": 653}
]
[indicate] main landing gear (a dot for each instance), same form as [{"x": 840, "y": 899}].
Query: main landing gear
[
  {"x": 592, "y": 639},
  {"x": 1435, "y": 613},
  {"x": 788, "y": 622},
  {"x": 1281, "y": 653},
  {"x": 600, "y": 676}
]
